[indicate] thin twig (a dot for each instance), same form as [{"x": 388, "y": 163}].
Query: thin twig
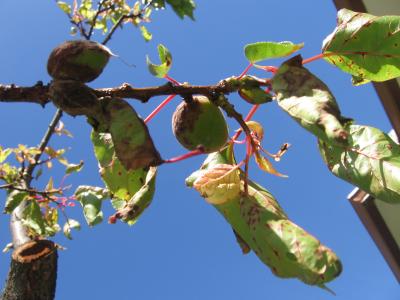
[
  {"x": 43, "y": 144},
  {"x": 98, "y": 12}
]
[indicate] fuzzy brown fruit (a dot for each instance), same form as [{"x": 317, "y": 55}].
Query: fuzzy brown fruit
[
  {"x": 199, "y": 123},
  {"x": 75, "y": 98},
  {"x": 78, "y": 60}
]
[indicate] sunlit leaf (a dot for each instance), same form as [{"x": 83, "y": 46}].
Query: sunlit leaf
[
  {"x": 69, "y": 225},
  {"x": 371, "y": 161},
  {"x": 50, "y": 184},
  {"x": 65, "y": 7},
  {"x": 219, "y": 184},
  {"x": 257, "y": 129},
  {"x": 260, "y": 222},
  {"x": 131, "y": 191},
  {"x": 4, "y": 153},
  {"x": 145, "y": 33},
  {"x": 74, "y": 167},
  {"x": 309, "y": 101},
  {"x": 165, "y": 59},
  {"x": 265, "y": 165},
  {"x": 14, "y": 198},
  {"x": 365, "y": 46},
  {"x": 266, "y": 50},
  {"x": 181, "y": 7},
  {"x": 33, "y": 218},
  {"x": 91, "y": 199}
]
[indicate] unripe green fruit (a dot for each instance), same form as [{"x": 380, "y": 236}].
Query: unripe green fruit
[
  {"x": 78, "y": 60},
  {"x": 199, "y": 123}
]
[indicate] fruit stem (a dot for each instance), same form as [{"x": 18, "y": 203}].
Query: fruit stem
[
  {"x": 245, "y": 71},
  {"x": 271, "y": 69},
  {"x": 170, "y": 79},
  {"x": 158, "y": 108},
  {"x": 184, "y": 156},
  {"x": 248, "y": 118},
  {"x": 314, "y": 58}
]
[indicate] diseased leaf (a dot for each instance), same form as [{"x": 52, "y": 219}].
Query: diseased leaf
[
  {"x": 371, "y": 161},
  {"x": 261, "y": 223},
  {"x": 218, "y": 184},
  {"x": 131, "y": 191},
  {"x": 70, "y": 224},
  {"x": 133, "y": 208},
  {"x": 265, "y": 165},
  {"x": 365, "y": 46},
  {"x": 14, "y": 198},
  {"x": 266, "y": 50},
  {"x": 309, "y": 102},
  {"x": 166, "y": 61},
  {"x": 91, "y": 199},
  {"x": 132, "y": 142}
]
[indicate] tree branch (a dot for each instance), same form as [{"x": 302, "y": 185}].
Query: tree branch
[{"x": 39, "y": 92}]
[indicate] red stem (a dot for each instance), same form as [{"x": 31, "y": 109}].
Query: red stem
[
  {"x": 172, "y": 80},
  {"x": 158, "y": 108},
  {"x": 245, "y": 71},
  {"x": 184, "y": 156},
  {"x": 271, "y": 69},
  {"x": 314, "y": 58},
  {"x": 248, "y": 117}
]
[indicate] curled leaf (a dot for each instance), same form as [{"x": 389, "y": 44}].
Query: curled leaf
[
  {"x": 309, "y": 102},
  {"x": 166, "y": 61},
  {"x": 132, "y": 142},
  {"x": 265, "y": 165},
  {"x": 91, "y": 199},
  {"x": 14, "y": 198},
  {"x": 261, "y": 224},
  {"x": 70, "y": 224},
  {"x": 371, "y": 161},
  {"x": 219, "y": 184}
]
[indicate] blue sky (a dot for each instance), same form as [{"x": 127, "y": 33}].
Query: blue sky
[{"x": 181, "y": 248}]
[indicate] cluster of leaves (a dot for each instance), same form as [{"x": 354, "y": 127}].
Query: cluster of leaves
[
  {"x": 41, "y": 214},
  {"x": 86, "y": 17}
]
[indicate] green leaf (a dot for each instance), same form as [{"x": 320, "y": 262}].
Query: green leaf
[
  {"x": 371, "y": 161},
  {"x": 74, "y": 167},
  {"x": 309, "y": 102},
  {"x": 65, "y": 7},
  {"x": 132, "y": 142},
  {"x": 131, "y": 191},
  {"x": 266, "y": 50},
  {"x": 365, "y": 46},
  {"x": 33, "y": 218},
  {"x": 140, "y": 200},
  {"x": 70, "y": 224},
  {"x": 91, "y": 199},
  {"x": 260, "y": 222},
  {"x": 4, "y": 153},
  {"x": 166, "y": 60},
  {"x": 181, "y": 7},
  {"x": 14, "y": 198},
  {"x": 145, "y": 33}
]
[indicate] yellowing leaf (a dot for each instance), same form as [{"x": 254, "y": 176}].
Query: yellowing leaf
[
  {"x": 265, "y": 165},
  {"x": 219, "y": 184},
  {"x": 256, "y": 128}
]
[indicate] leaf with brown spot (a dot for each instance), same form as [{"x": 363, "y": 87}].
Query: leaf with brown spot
[{"x": 365, "y": 46}]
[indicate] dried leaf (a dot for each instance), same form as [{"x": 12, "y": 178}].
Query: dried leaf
[{"x": 265, "y": 165}]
